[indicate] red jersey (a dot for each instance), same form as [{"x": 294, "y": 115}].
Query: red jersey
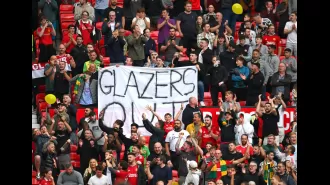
[
  {"x": 196, "y": 4},
  {"x": 140, "y": 158},
  {"x": 43, "y": 181},
  {"x": 241, "y": 149},
  {"x": 272, "y": 40},
  {"x": 132, "y": 174},
  {"x": 121, "y": 176},
  {"x": 168, "y": 126},
  {"x": 205, "y": 134},
  {"x": 66, "y": 39},
  {"x": 46, "y": 38},
  {"x": 86, "y": 29}
]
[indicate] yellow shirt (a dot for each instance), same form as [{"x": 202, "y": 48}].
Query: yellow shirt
[{"x": 191, "y": 128}]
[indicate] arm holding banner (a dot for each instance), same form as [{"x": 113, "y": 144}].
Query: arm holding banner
[
  {"x": 148, "y": 126},
  {"x": 102, "y": 126}
]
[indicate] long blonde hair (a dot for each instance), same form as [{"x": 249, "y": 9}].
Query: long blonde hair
[{"x": 89, "y": 166}]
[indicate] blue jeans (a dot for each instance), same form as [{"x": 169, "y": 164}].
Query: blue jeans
[
  {"x": 229, "y": 15},
  {"x": 200, "y": 90},
  {"x": 99, "y": 15}
]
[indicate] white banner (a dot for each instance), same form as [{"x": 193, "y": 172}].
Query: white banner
[
  {"x": 38, "y": 69},
  {"x": 124, "y": 92}
]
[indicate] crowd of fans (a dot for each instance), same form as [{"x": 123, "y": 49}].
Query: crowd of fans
[{"x": 246, "y": 64}]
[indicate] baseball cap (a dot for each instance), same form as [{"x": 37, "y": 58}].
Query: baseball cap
[{"x": 193, "y": 164}]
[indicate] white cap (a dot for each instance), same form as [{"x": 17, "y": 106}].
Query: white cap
[{"x": 193, "y": 164}]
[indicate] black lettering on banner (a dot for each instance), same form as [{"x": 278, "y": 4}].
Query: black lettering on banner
[
  {"x": 114, "y": 82},
  {"x": 184, "y": 82},
  {"x": 145, "y": 89},
  {"x": 106, "y": 86},
  {"x": 173, "y": 105},
  {"x": 128, "y": 85},
  {"x": 113, "y": 103},
  {"x": 132, "y": 105},
  {"x": 153, "y": 116},
  {"x": 162, "y": 85},
  {"x": 172, "y": 83}
]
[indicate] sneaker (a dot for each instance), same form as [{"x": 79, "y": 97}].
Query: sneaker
[
  {"x": 202, "y": 104},
  {"x": 38, "y": 176}
]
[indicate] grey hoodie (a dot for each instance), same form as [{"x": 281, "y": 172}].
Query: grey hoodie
[
  {"x": 273, "y": 62},
  {"x": 264, "y": 69},
  {"x": 291, "y": 69}
]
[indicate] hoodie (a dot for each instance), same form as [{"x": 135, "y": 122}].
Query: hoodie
[
  {"x": 245, "y": 128},
  {"x": 193, "y": 176},
  {"x": 188, "y": 114}
]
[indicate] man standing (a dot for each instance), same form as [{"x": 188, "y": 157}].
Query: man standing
[
  {"x": 218, "y": 77},
  {"x": 239, "y": 87},
  {"x": 209, "y": 133},
  {"x": 83, "y": 6},
  {"x": 273, "y": 62},
  {"x": 291, "y": 29},
  {"x": 80, "y": 56},
  {"x": 193, "y": 128},
  {"x": 70, "y": 176},
  {"x": 170, "y": 46},
  {"x": 135, "y": 46},
  {"x": 120, "y": 18},
  {"x": 206, "y": 34},
  {"x": 136, "y": 174},
  {"x": 272, "y": 39},
  {"x": 130, "y": 9},
  {"x": 189, "y": 111},
  {"x": 161, "y": 172},
  {"x": 171, "y": 142},
  {"x": 164, "y": 25},
  {"x": 291, "y": 66},
  {"x": 255, "y": 83},
  {"x": 281, "y": 82},
  {"x": 98, "y": 178},
  {"x": 100, "y": 6},
  {"x": 186, "y": 25},
  {"x": 228, "y": 60}
]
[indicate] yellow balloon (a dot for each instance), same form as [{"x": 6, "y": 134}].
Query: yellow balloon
[
  {"x": 50, "y": 98},
  {"x": 237, "y": 8}
]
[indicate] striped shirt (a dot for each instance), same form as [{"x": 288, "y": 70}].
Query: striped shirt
[{"x": 266, "y": 22}]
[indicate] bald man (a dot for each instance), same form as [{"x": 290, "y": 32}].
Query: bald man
[
  {"x": 189, "y": 111},
  {"x": 158, "y": 150},
  {"x": 62, "y": 56}
]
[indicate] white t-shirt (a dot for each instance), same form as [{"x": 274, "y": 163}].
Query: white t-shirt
[
  {"x": 112, "y": 26},
  {"x": 173, "y": 136},
  {"x": 141, "y": 23},
  {"x": 292, "y": 37},
  {"x": 281, "y": 113},
  {"x": 94, "y": 180}
]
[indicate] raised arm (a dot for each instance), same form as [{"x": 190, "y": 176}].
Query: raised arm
[
  {"x": 258, "y": 111},
  {"x": 101, "y": 124},
  {"x": 179, "y": 112},
  {"x": 198, "y": 149},
  {"x": 153, "y": 112}
]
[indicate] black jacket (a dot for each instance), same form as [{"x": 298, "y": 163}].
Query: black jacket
[
  {"x": 72, "y": 111},
  {"x": 254, "y": 84},
  {"x": 227, "y": 129},
  {"x": 128, "y": 142},
  {"x": 157, "y": 134},
  {"x": 115, "y": 49},
  {"x": 207, "y": 59},
  {"x": 201, "y": 73},
  {"x": 218, "y": 74},
  {"x": 258, "y": 179},
  {"x": 285, "y": 82},
  {"x": 107, "y": 32},
  {"x": 188, "y": 114},
  {"x": 228, "y": 60},
  {"x": 80, "y": 56}
]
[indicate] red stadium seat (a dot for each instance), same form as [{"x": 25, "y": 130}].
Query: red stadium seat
[
  {"x": 34, "y": 173},
  {"x": 219, "y": 95},
  {"x": 106, "y": 61},
  {"x": 74, "y": 156},
  {"x": 208, "y": 102},
  {"x": 51, "y": 112},
  {"x": 99, "y": 25},
  {"x": 154, "y": 35},
  {"x": 242, "y": 103},
  {"x": 147, "y": 139},
  {"x": 96, "y": 113},
  {"x": 73, "y": 148},
  {"x": 127, "y": 33},
  {"x": 207, "y": 95},
  {"x": 122, "y": 148},
  {"x": 65, "y": 25},
  {"x": 42, "y": 106},
  {"x": 67, "y": 17},
  {"x": 80, "y": 114},
  {"x": 75, "y": 164},
  {"x": 66, "y": 8},
  {"x": 35, "y": 181},
  {"x": 40, "y": 97},
  {"x": 42, "y": 88},
  {"x": 121, "y": 155},
  {"x": 174, "y": 173},
  {"x": 177, "y": 34}
]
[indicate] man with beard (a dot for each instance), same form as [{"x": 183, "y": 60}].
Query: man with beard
[
  {"x": 171, "y": 141},
  {"x": 120, "y": 173},
  {"x": 206, "y": 161},
  {"x": 63, "y": 148},
  {"x": 255, "y": 84},
  {"x": 87, "y": 150},
  {"x": 61, "y": 115},
  {"x": 161, "y": 172},
  {"x": 136, "y": 174},
  {"x": 128, "y": 142},
  {"x": 61, "y": 79},
  {"x": 217, "y": 167},
  {"x": 49, "y": 159},
  {"x": 259, "y": 154},
  {"x": 69, "y": 176},
  {"x": 158, "y": 150},
  {"x": 188, "y": 112},
  {"x": 252, "y": 174},
  {"x": 245, "y": 147},
  {"x": 80, "y": 56},
  {"x": 188, "y": 152},
  {"x": 208, "y": 133},
  {"x": 87, "y": 111},
  {"x": 284, "y": 175},
  {"x": 194, "y": 127},
  {"x": 62, "y": 56},
  {"x": 231, "y": 156},
  {"x": 227, "y": 125}
]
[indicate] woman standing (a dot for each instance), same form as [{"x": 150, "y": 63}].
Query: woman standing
[
  {"x": 85, "y": 28},
  {"x": 90, "y": 171}
]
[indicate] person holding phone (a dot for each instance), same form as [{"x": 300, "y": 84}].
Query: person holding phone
[{"x": 45, "y": 33}]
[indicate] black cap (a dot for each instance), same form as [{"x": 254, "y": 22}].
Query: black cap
[
  {"x": 60, "y": 104},
  {"x": 256, "y": 63},
  {"x": 227, "y": 113},
  {"x": 241, "y": 37}
]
